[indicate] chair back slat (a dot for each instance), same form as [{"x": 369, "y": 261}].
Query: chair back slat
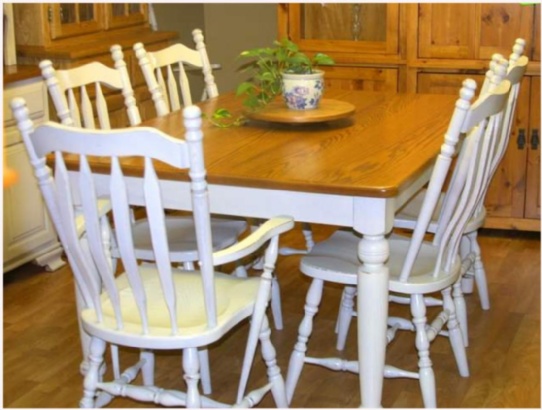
[
  {"x": 156, "y": 217},
  {"x": 83, "y": 187},
  {"x": 124, "y": 239},
  {"x": 89, "y": 200},
  {"x": 184, "y": 85},
  {"x": 101, "y": 109},
  {"x": 73, "y": 111},
  {"x": 86, "y": 108},
  {"x": 172, "y": 87}
]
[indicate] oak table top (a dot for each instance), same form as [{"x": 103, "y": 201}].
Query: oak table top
[{"x": 388, "y": 141}]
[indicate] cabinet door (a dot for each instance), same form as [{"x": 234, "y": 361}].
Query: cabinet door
[
  {"x": 27, "y": 227},
  {"x": 125, "y": 14},
  {"x": 73, "y": 19},
  {"x": 532, "y": 200},
  {"x": 345, "y": 27},
  {"x": 467, "y": 31}
]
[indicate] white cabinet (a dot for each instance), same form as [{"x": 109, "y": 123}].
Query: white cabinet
[{"x": 28, "y": 231}]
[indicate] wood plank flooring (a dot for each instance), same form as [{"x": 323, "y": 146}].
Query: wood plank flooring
[{"x": 42, "y": 349}]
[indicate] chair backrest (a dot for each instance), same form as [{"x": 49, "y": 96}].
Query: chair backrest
[
  {"x": 481, "y": 122},
  {"x": 159, "y": 69},
  {"x": 65, "y": 189},
  {"x": 72, "y": 91},
  {"x": 513, "y": 71}
]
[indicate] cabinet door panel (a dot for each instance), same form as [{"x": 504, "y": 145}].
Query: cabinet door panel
[
  {"x": 500, "y": 25},
  {"x": 26, "y": 222},
  {"x": 446, "y": 30},
  {"x": 360, "y": 78},
  {"x": 125, "y": 14},
  {"x": 532, "y": 201},
  {"x": 345, "y": 27},
  {"x": 73, "y": 19}
]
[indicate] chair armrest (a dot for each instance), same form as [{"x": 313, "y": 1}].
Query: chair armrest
[{"x": 273, "y": 227}]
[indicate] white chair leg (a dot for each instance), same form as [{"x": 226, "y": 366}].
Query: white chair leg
[
  {"x": 192, "y": 377},
  {"x": 345, "y": 315},
  {"x": 205, "y": 371},
  {"x": 276, "y": 304},
  {"x": 95, "y": 359},
  {"x": 454, "y": 334},
  {"x": 147, "y": 371},
  {"x": 115, "y": 360},
  {"x": 427, "y": 377},
  {"x": 467, "y": 281},
  {"x": 278, "y": 389},
  {"x": 461, "y": 312},
  {"x": 307, "y": 233},
  {"x": 480, "y": 274},
  {"x": 297, "y": 359},
  {"x": 188, "y": 265}
]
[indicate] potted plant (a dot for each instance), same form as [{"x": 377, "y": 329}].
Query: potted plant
[
  {"x": 283, "y": 69},
  {"x": 280, "y": 69}
]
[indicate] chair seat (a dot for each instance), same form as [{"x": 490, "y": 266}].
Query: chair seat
[
  {"x": 407, "y": 216},
  {"x": 235, "y": 298},
  {"x": 336, "y": 260},
  {"x": 181, "y": 234}
]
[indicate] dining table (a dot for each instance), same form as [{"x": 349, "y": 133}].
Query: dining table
[{"x": 354, "y": 170}]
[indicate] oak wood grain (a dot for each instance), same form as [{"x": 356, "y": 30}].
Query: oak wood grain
[{"x": 387, "y": 142}]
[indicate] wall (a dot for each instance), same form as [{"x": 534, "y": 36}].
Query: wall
[{"x": 228, "y": 29}]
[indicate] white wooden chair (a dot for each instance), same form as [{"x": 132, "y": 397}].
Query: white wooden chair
[
  {"x": 416, "y": 267},
  {"x": 165, "y": 73},
  {"x": 78, "y": 95},
  {"x": 470, "y": 250},
  {"x": 516, "y": 68},
  {"x": 151, "y": 306}
]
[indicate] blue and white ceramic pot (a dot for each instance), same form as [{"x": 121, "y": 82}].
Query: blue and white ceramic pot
[{"x": 303, "y": 91}]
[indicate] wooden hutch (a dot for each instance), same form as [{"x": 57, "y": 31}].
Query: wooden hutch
[{"x": 432, "y": 48}]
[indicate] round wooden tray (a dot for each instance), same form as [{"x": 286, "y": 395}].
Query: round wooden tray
[{"x": 277, "y": 111}]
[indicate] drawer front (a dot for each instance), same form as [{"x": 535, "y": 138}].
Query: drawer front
[{"x": 35, "y": 94}]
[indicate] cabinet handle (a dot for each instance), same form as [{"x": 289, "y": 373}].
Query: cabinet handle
[
  {"x": 521, "y": 138},
  {"x": 535, "y": 139}
]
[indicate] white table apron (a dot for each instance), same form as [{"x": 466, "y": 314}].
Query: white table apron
[{"x": 370, "y": 216}]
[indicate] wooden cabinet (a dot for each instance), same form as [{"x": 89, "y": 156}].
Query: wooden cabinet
[
  {"x": 471, "y": 31},
  {"x": 432, "y": 48},
  {"x": 354, "y": 34},
  {"x": 72, "y": 34},
  {"x": 28, "y": 233}
]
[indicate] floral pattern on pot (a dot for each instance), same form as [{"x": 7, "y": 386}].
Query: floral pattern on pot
[{"x": 302, "y": 91}]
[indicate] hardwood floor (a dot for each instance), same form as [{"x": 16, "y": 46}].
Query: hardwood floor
[{"x": 42, "y": 350}]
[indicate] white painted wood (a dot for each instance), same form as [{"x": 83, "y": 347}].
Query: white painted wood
[
  {"x": 512, "y": 70},
  {"x": 416, "y": 267},
  {"x": 165, "y": 73},
  {"x": 28, "y": 234},
  {"x": 150, "y": 305}
]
